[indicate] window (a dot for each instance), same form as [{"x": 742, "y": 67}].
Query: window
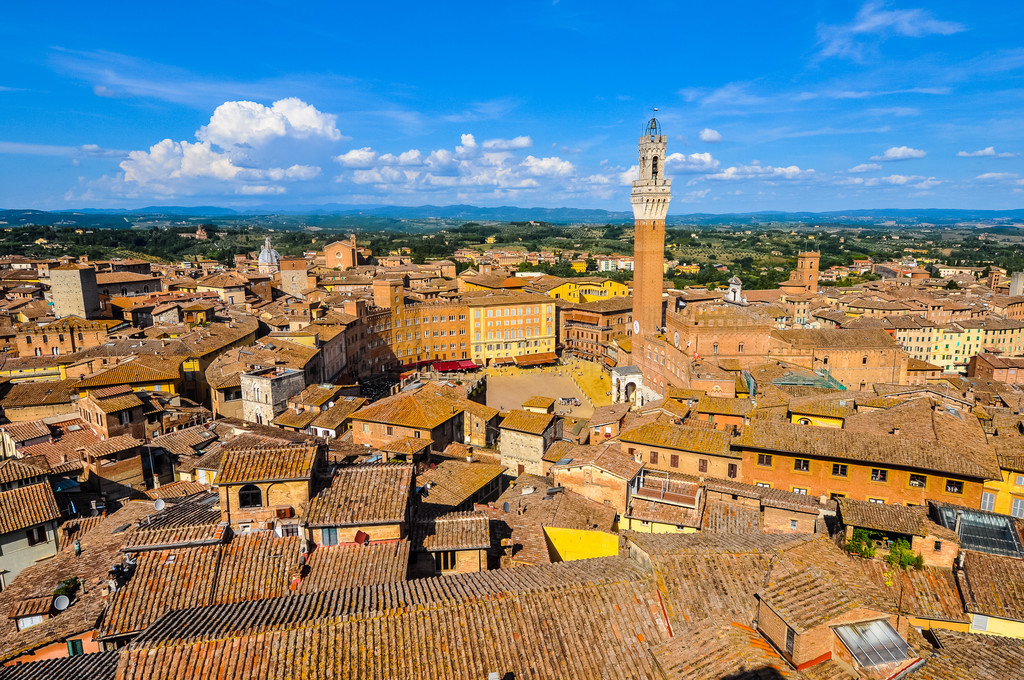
[
  {"x": 654, "y": 457},
  {"x": 329, "y": 536},
  {"x": 988, "y": 501},
  {"x": 834, "y": 495},
  {"x": 801, "y": 465},
  {"x": 953, "y": 486},
  {"x": 764, "y": 460},
  {"x": 390, "y": 430},
  {"x": 839, "y": 469},
  {"x": 980, "y": 622},
  {"x": 876, "y": 501},
  {"x": 879, "y": 475},
  {"x": 1019, "y": 481},
  {"x": 918, "y": 481},
  {"x": 702, "y": 465},
  {"x": 790, "y": 641},
  {"x": 792, "y": 525},
  {"x": 763, "y": 485},
  {"x": 290, "y": 530},
  {"x": 799, "y": 491},
  {"x": 864, "y": 361},
  {"x": 675, "y": 460},
  {"x": 29, "y": 621},
  {"x": 714, "y": 348},
  {"x": 444, "y": 560},
  {"x": 804, "y": 421},
  {"x": 36, "y": 535},
  {"x": 938, "y": 546},
  {"x": 75, "y": 648},
  {"x": 250, "y": 496},
  {"x": 740, "y": 348},
  {"x": 1017, "y": 508},
  {"x": 126, "y": 417},
  {"x": 732, "y": 470}
]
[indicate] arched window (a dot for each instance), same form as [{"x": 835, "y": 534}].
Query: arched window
[
  {"x": 249, "y": 496},
  {"x": 864, "y": 360},
  {"x": 654, "y": 167},
  {"x": 804, "y": 421}
]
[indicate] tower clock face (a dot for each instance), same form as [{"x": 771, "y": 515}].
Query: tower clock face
[{"x": 636, "y": 327}]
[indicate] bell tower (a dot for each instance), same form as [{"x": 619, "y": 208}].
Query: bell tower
[{"x": 651, "y": 195}]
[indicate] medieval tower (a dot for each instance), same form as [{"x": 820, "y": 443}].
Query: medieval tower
[{"x": 651, "y": 195}]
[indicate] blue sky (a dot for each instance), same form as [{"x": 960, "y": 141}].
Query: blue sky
[{"x": 767, "y": 105}]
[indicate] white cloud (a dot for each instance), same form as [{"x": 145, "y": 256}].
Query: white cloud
[
  {"x": 357, "y": 158},
  {"x": 874, "y": 20},
  {"x": 899, "y": 153},
  {"x": 987, "y": 152},
  {"x": 996, "y": 176},
  {"x": 240, "y": 149},
  {"x": 521, "y": 142},
  {"x": 695, "y": 162},
  {"x": 244, "y": 122},
  {"x": 711, "y": 136},
  {"x": 552, "y": 166},
  {"x": 758, "y": 171},
  {"x": 865, "y": 167}
]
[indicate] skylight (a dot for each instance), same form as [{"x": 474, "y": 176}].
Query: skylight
[{"x": 874, "y": 643}]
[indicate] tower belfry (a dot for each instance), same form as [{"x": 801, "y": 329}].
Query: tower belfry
[{"x": 652, "y": 193}]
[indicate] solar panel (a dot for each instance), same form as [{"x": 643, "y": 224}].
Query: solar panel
[{"x": 874, "y": 643}]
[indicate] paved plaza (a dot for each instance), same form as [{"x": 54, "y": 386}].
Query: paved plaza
[{"x": 508, "y": 388}]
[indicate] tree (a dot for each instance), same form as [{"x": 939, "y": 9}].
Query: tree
[
  {"x": 902, "y": 555},
  {"x": 861, "y": 543},
  {"x": 952, "y": 285}
]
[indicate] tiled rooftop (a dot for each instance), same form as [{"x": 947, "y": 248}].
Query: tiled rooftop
[{"x": 364, "y": 494}]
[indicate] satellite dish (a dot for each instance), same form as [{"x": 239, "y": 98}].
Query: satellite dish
[
  {"x": 506, "y": 507},
  {"x": 61, "y": 603},
  {"x": 159, "y": 505}
]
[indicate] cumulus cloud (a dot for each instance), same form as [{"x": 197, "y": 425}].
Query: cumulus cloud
[
  {"x": 899, "y": 153},
  {"x": 758, "y": 171},
  {"x": 472, "y": 169},
  {"x": 522, "y": 142},
  {"x": 987, "y": 152},
  {"x": 357, "y": 158},
  {"x": 552, "y": 166},
  {"x": 695, "y": 162},
  {"x": 244, "y": 122},
  {"x": 238, "y": 148},
  {"x": 865, "y": 167},
  {"x": 711, "y": 136}
]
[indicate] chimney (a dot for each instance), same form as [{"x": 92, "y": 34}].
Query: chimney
[
  {"x": 959, "y": 520},
  {"x": 895, "y": 429}
]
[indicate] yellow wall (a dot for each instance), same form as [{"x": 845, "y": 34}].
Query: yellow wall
[
  {"x": 928, "y": 624},
  {"x": 578, "y": 544},
  {"x": 1005, "y": 490},
  {"x": 656, "y": 527},
  {"x": 819, "y": 421},
  {"x": 579, "y": 266},
  {"x": 1005, "y": 627}
]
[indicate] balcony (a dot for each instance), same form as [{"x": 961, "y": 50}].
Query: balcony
[{"x": 666, "y": 490}]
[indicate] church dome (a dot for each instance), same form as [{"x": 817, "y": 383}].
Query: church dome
[{"x": 268, "y": 255}]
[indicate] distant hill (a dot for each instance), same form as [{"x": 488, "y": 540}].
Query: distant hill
[{"x": 375, "y": 216}]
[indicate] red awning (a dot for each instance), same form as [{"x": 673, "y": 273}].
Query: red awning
[
  {"x": 468, "y": 365},
  {"x": 536, "y": 359},
  {"x": 446, "y": 366}
]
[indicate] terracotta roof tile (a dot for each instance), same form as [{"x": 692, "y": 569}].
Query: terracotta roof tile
[
  {"x": 364, "y": 494},
  {"x": 27, "y": 506},
  {"x": 267, "y": 463},
  {"x": 420, "y": 409},
  {"x": 992, "y": 585},
  {"x": 681, "y": 438},
  {"x": 355, "y": 566},
  {"x": 454, "y": 531},
  {"x": 452, "y": 482},
  {"x": 528, "y": 422},
  {"x": 830, "y": 442}
]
